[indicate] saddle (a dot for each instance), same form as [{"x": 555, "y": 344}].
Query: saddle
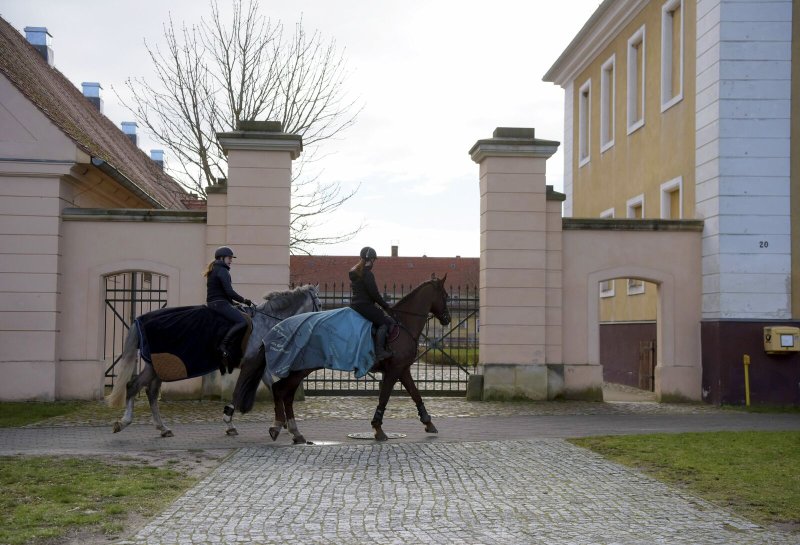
[
  {"x": 391, "y": 336},
  {"x": 181, "y": 342}
]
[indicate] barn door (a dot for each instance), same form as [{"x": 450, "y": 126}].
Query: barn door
[{"x": 647, "y": 365}]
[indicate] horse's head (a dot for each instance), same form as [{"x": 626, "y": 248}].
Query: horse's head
[
  {"x": 282, "y": 304},
  {"x": 313, "y": 300},
  {"x": 439, "y": 302}
]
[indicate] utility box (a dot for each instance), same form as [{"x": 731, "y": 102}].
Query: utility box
[{"x": 781, "y": 339}]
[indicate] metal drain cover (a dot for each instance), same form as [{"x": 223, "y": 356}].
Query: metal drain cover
[{"x": 371, "y": 435}]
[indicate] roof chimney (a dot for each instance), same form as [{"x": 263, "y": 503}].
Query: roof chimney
[
  {"x": 40, "y": 39},
  {"x": 91, "y": 90},
  {"x": 394, "y": 250},
  {"x": 129, "y": 128},
  {"x": 157, "y": 155}
]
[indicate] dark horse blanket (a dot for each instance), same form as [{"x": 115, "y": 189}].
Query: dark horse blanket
[
  {"x": 181, "y": 342},
  {"x": 334, "y": 339}
]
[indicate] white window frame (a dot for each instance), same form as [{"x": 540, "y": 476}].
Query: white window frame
[
  {"x": 667, "y": 62},
  {"x": 675, "y": 184},
  {"x": 633, "y": 203},
  {"x": 585, "y": 123},
  {"x": 607, "y": 286},
  {"x": 635, "y": 287},
  {"x": 607, "y": 91},
  {"x": 634, "y": 94}
]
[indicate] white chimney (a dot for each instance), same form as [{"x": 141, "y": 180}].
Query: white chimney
[
  {"x": 91, "y": 90},
  {"x": 129, "y": 128},
  {"x": 40, "y": 39},
  {"x": 157, "y": 155}
]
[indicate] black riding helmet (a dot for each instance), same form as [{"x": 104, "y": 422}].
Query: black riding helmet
[
  {"x": 368, "y": 253},
  {"x": 223, "y": 251}
]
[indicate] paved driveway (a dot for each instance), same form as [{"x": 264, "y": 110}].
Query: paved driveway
[{"x": 495, "y": 474}]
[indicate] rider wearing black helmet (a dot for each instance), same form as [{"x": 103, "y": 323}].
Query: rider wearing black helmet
[
  {"x": 220, "y": 295},
  {"x": 366, "y": 296}
]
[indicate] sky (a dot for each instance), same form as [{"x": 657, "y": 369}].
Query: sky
[{"x": 432, "y": 76}]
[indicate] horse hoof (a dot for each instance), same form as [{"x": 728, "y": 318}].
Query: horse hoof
[
  {"x": 430, "y": 428},
  {"x": 231, "y": 432},
  {"x": 300, "y": 440},
  {"x": 274, "y": 432},
  {"x": 167, "y": 433},
  {"x": 117, "y": 427},
  {"x": 380, "y": 436}
]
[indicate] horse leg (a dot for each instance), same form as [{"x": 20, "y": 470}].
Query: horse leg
[
  {"x": 295, "y": 379},
  {"x": 227, "y": 417},
  {"x": 387, "y": 384},
  {"x": 132, "y": 389},
  {"x": 152, "y": 396},
  {"x": 280, "y": 413},
  {"x": 408, "y": 383}
]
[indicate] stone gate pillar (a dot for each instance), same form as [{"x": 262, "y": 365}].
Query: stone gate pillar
[
  {"x": 250, "y": 211},
  {"x": 520, "y": 268}
]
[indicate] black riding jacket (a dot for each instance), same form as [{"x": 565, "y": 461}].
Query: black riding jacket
[
  {"x": 219, "y": 286},
  {"x": 365, "y": 290}
]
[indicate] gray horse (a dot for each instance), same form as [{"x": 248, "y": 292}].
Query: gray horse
[{"x": 277, "y": 306}]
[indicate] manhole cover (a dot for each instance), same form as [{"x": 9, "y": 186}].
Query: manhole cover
[{"x": 370, "y": 435}]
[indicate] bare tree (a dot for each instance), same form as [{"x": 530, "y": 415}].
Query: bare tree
[{"x": 213, "y": 75}]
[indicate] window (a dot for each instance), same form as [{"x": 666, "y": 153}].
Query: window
[
  {"x": 635, "y": 210},
  {"x": 607, "y": 286},
  {"x": 584, "y": 122},
  {"x": 671, "y": 53},
  {"x": 671, "y": 202},
  {"x": 635, "y": 98},
  {"x": 607, "y": 91},
  {"x": 635, "y": 207}
]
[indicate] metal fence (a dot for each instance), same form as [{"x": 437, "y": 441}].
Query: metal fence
[
  {"x": 446, "y": 357},
  {"x": 127, "y": 295}
]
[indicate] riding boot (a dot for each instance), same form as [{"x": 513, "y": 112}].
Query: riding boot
[{"x": 381, "y": 350}]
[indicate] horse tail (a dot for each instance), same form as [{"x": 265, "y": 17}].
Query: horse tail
[
  {"x": 125, "y": 367},
  {"x": 244, "y": 394}
]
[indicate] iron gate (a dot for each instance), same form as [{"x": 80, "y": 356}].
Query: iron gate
[
  {"x": 446, "y": 357},
  {"x": 127, "y": 295}
]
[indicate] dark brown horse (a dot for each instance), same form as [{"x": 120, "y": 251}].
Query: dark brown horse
[{"x": 411, "y": 312}]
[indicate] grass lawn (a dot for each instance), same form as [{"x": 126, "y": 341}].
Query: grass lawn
[
  {"x": 47, "y": 498},
  {"x": 755, "y": 474},
  {"x": 13, "y": 414}
]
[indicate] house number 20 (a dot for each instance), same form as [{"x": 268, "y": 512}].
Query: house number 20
[{"x": 763, "y": 244}]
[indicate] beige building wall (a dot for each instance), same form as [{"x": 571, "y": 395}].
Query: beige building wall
[
  {"x": 795, "y": 160},
  {"x": 661, "y": 150},
  {"x": 170, "y": 244}
]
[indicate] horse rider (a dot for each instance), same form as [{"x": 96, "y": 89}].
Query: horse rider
[
  {"x": 220, "y": 296},
  {"x": 366, "y": 296}
]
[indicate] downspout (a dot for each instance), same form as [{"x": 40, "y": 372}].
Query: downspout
[{"x": 126, "y": 182}]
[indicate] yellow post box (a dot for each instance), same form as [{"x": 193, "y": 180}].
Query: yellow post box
[{"x": 781, "y": 339}]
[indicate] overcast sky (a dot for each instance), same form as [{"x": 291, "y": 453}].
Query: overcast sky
[{"x": 433, "y": 76}]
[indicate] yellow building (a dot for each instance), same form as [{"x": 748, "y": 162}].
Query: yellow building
[{"x": 684, "y": 109}]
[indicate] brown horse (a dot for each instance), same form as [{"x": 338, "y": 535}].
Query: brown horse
[{"x": 411, "y": 313}]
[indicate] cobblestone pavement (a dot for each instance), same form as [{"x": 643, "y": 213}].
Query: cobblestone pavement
[
  {"x": 495, "y": 471},
  {"x": 511, "y": 492}
]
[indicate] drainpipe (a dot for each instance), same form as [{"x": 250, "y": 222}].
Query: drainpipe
[{"x": 126, "y": 182}]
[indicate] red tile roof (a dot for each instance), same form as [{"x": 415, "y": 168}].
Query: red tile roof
[
  {"x": 64, "y": 104},
  {"x": 407, "y": 271}
]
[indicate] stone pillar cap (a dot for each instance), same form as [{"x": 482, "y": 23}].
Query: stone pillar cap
[
  {"x": 513, "y": 142},
  {"x": 261, "y": 135}
]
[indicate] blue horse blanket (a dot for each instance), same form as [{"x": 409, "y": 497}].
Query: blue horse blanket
[{"x": 334, "y": 339}]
